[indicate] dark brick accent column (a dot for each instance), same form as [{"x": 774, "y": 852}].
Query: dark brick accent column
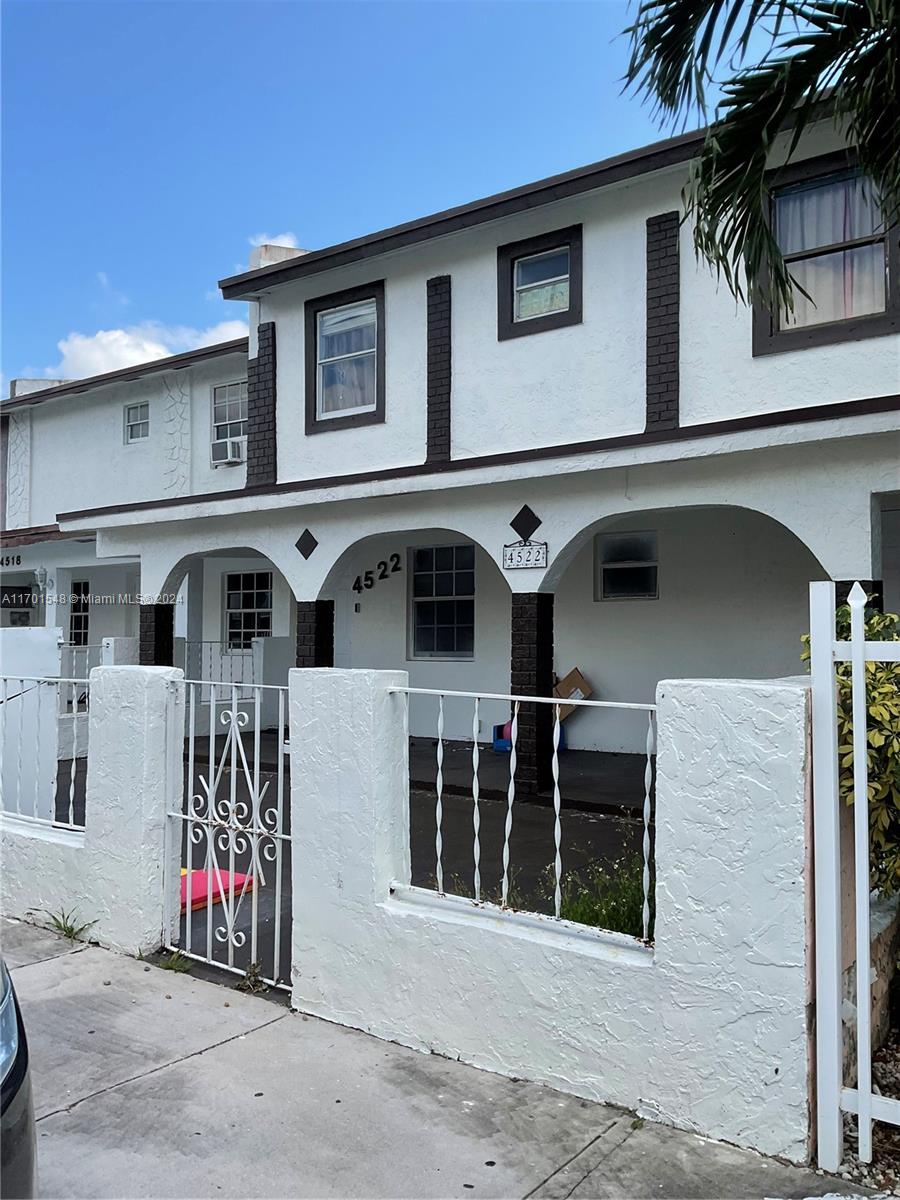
[
  {"x": 438, "y": 369},
  {"x": 315, "y": 633},
  {"x": 157, "y": 635},
  {"x": 874, "y": 589},
  {"x": 662, "y": 321},
  {"x": 262, "y": 445},
  {"x": 531, "y": 673}
]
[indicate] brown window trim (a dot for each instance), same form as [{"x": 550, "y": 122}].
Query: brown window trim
[
  {"x": 312, "y": 308},
  {"x": 506, "y": 258},
  {"x": 767, "y": 339}
]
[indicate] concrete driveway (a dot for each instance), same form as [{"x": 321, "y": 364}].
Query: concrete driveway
[{"x": 150, "y": 1083}]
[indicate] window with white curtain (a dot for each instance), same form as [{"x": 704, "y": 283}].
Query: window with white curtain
[
  {"x": 831, "y": 233},
  {"x": 346, "y": 341}
]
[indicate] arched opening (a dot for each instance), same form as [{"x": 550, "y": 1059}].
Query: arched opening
[
  {"x": 432, "y": 602},
  {"x": 234, "y": 619},
  {"x": 698, "y": 592}
]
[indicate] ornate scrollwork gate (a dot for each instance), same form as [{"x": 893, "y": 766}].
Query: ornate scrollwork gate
[{"x": 231, "y": 898}]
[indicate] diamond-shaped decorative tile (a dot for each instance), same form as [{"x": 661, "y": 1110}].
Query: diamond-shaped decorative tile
[
  {"x": 525, "y": 522},
  {"x": 306, "y": 543}
]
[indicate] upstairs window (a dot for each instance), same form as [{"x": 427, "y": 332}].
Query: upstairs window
[
  {"x": 248, "y": 607},
  {"x": 345, "y": 359},
  {"x": 627, "y": 567},
  {"x": 539, "y": 283},
  {"x": 443, "y": 602},
  {"x": 137, "y": 422},
  {"x": 831, "y": 231},
  {"x": 230, "y": 410}
]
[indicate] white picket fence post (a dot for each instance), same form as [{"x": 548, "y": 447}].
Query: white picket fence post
[{"x": 826, "y": 832}]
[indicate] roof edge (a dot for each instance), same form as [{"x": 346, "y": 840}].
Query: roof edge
[
  {"x": 654, "y": 157},
  {"x": 173, "y": 363}
]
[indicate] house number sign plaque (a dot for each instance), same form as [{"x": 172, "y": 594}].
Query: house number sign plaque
[{"x": 519, "y": 555}]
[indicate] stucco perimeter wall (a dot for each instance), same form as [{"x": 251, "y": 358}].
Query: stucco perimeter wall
[
  {"x": 112, "y": 872},
  {"x": 706, "y": 1030}
]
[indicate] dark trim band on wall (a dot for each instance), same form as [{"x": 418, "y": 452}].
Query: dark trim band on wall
[
  {"x": 507, "y": 325},
  {"x": 658, "y": 437},
  {"x": 262, "y": 446},
  {"x": 439, "y": 368},
  {"x": 312, "y": 309},
  {"x": 663, "y": 301}
]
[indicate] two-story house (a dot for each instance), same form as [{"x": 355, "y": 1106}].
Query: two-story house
[{"x": 523, "y": 435}]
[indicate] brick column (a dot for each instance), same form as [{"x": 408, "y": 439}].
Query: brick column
[
  {"x": 438, "y": 368},
  {"x": 262, "y": 446},
  {"x": 315, "y": 633},
  {"x": 531, "y": 673},
  {"x": 662, "y": 321},
  {"x": 874, "y": 589},
  {"x": 157, "y": 635}
]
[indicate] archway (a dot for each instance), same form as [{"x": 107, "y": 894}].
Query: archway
[{"x": 692, "y": 592}]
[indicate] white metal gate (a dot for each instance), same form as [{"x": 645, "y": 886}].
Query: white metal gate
[
  {"x": 231, "y": 900},
  {"x": 833, "y": 1098}
]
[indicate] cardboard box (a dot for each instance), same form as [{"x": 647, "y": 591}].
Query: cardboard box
[{"x": 573, "y": 686}]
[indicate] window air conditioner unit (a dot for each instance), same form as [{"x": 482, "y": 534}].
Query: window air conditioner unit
[{"x": 227, "y": 452}]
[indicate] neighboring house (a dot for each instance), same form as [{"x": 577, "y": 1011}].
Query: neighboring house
[{"x": 545, "y": 366}]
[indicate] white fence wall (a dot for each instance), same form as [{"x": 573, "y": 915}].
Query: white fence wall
[
  {"x": 707, "y": 1030},
  {"x": 112, "y": 872}
]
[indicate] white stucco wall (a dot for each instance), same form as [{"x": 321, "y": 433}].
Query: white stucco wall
[
  {"x": 707, "y": 1030},
  {"x": 113, "y": 872},
  {"x": 78, "y": 458}
]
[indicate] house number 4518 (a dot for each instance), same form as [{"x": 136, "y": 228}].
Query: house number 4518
[{"x": 382, "y": 569}]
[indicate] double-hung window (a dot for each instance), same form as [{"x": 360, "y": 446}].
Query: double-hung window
[
  {"x": 137, "y": 422},
  {"x": 345, "y": 359},
  {"x": 248, "y": 607},
  {"x": 539, "y": 283},
  {"x": 230, "y": 410},
  {"x": 830, "y": 229},
  {"x": 442, "y": 603}
]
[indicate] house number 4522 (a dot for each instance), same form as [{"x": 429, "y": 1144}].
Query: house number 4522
[{"x": 368, "y": 579}]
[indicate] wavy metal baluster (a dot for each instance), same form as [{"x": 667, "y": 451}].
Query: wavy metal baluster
[
  {"x": 19, "y": 746},
  {"x": 256, "y": 821},
  {"x": 192, "y": 723},
  {"x": 210, "y": 810},
  {"x": 510, "y": 797},
  {"x": 648, "y": 783},
  {"x": 476, "y": 815},
  {"x": 74, "y": 753},
  {"x": 234, "y": 736},
  {"x": 37, "y": 762},
  {"x": 439, "y": 805},
  {"x": 557, "y": 827}
]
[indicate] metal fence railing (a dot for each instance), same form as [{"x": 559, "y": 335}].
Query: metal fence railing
[
  {"x": 619, "y": 878},
  {"x": 44, "y": 726}
]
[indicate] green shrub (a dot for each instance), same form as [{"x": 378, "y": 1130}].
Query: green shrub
[
  {"x": 607, "y": 897},
  {"x": 883, "y": 753}
]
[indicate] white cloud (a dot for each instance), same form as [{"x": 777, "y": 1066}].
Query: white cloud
[
  {"x": 83, "y": 354},
  {"x": 274, "y": 239},
  {"x": 104, "y": 281}
]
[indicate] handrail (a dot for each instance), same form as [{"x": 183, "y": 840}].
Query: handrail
[{"x": 562, "y": 701}]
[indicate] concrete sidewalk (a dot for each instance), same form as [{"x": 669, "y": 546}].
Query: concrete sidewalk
[{"x": 151, "y": 1083}]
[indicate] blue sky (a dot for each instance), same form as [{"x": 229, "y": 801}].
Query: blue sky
[{"x": 146, "y": 142}]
